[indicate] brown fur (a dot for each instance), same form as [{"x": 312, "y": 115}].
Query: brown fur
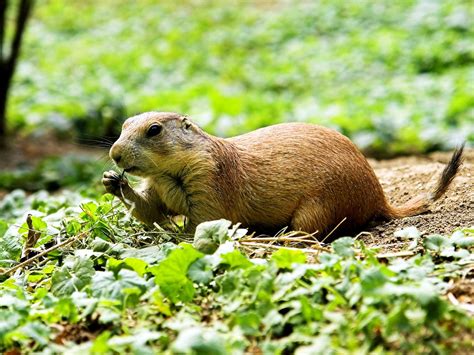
[{"x": 300, "y": 175}]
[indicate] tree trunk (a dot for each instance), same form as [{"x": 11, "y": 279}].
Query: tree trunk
[
  {"x": 8, "y": 64},
  {"x": 6, "y": 73},
  {"x": 3, "y": 91},
  {"x": 3, "y": 110}
]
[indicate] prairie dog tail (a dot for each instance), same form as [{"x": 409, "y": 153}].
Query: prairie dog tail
[{"x": 422, "y": 203}]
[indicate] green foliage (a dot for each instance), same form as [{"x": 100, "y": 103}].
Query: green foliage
[
  {"x": 173, "y": 298},
  {"x": 10, "y": 249},
  {"x": 171, "y": 274},
  {"x": 235, "y": 260},
  {"x": 73, "y": 276},
  {"x": 393, "y": 75},
  {"x": 343, "y": 246},
  {"x": 199, "y": 341},
  {"x": 52, "y": 173},
  {"x": 285, "y": 258}
]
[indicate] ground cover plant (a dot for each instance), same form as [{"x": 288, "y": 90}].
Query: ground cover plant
[{"x": 113, "y": 286}]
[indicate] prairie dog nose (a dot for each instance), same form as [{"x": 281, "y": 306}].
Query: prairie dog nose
[{"x": 115, "y": 154}]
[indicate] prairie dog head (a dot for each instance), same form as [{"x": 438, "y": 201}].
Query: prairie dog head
[{"x": 155, "y": 143}]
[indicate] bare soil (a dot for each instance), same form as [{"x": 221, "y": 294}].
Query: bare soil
[{"x": 406, "y": 177}]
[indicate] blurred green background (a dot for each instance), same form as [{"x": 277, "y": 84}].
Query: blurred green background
[{"x": 395, "y": 76}]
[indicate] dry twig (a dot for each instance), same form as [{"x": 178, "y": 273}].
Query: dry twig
[
  {"x": 267, "y": 245},
  {"x": 57, "y": 246},
  {"x": 395, "y": 254},
  {"x": 333, "y": 230},
  {"x": 31, "y": 239}
]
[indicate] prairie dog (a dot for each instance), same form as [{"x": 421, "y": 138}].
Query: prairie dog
[{"x": 300, "y": 175}]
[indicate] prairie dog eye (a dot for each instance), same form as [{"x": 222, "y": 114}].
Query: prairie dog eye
[{"x": 154, "y": 130}]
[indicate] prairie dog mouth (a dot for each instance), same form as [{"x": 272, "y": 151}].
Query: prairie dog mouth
[{"x": 131, "y": 169}]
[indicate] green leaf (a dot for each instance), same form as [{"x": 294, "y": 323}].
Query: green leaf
[
  {"x": 109, "y": 311},
  {"x": 285, "y": 258},
  {"x": 90, "y": 210},
  {"x": 371, "y": 280},
  {"x": 114, "y": 264},
  {"x": 3, "y": 228},
  {"x": 235, "y": 260},
  {"x": 171, "y": 273},
  {"x": 319, "y": 345},
  {"x": 38, "y": 225},
  {"x": 10, "y": 248},
  {"x": 343, "y": 246},
  {"x": 436, "y": 242},
  {"x": 150, "y": 255},
  {"x": 106, "y": 284},
  {"x": 249, "y": 322},
  {"x": 100, "y": 245},
  {"x": 34, "y": 330},
  {"x": 73, "y": 227},
  {"x": 137, "y": 265},
  {"x": 137, "y": 340},
  {"x": 205, "y": 246},
  {"x": 272, "y": 319},
  {"x": 100, "y": 346},
  {"x": 66, "y": 309},
  {"x": 465, "y": 242},
  {"x": 73, "y": 276},
  {"x": 197, "y": 340},
  {"x": 209, "y": 235},
  {"x": 329, "y": 259},
  {"x": 200, "y": 271},
  {"x": 407, "y": 233},
  {"x": 450, "y": 252},
  {"x": 9, "y": 321}
]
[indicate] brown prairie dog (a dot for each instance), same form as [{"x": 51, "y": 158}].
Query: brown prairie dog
[{"x": 304, "y": 176}]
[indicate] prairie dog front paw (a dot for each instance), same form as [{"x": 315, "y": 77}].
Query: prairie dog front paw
[{"x": 114, "y": 183}]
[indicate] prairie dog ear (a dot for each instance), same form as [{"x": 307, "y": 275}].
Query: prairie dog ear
[{"x": 186, "y": 122}]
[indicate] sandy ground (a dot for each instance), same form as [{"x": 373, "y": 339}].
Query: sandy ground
[{"x": 407, "y": 177}]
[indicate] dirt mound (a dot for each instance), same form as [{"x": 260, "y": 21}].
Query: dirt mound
[{"x": 406, "y": 177}]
